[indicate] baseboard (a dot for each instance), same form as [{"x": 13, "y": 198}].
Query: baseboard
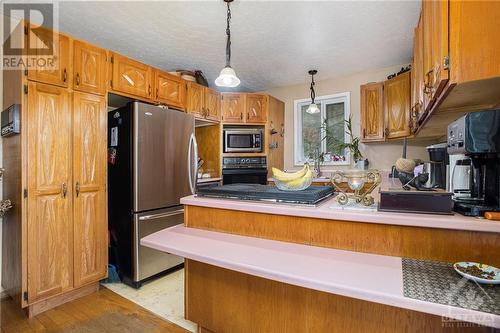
[{"x": 42, "y": 306}]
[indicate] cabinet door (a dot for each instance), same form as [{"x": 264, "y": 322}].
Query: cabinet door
[
  {"x": 89, "y": 68},
  {"x": 89, "y": 176},
  {"x": 427, "y": 70},
  {"x": 131, "y": 77},
  {"x": 50, "y": 225},
  {"x": 397, "y": 106},
  {"x": 440, "y": 32},
  {"x": 233, "y": 105},
  {"x": 372, "y": 112},
  {"x": 195, "y": 99},
  {"x": 212, "y": 104},
  {"x": 417, "y": 77},
  {"x": 256, "y": 108},
  {"x": 170, "y": 90},
  {"x": 55, "y": 68}
]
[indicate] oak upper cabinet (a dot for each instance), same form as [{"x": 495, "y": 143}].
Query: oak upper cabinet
[
  {"x": 56, "y": 69},
  {"x": 372, "y": 112},
  {"x": 417, "y": 77},
  {"x": 233, "y": 107},
  {"x": 170, "y": 90},
  {"x": 90, "y": 198},
  {"x": 212, "y": 104},
  {"x": 256, "y": 108},
  {"x": 49, "y": 203},
  {"x": 397, "y": 106},
  {"x": 434, "y": 22},
  {"x": 130, "y": 77},
  {"x": 89, "y": 68},
  {"x": 195, "y": 99}
]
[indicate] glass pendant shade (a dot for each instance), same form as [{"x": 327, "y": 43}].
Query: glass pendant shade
[
  {"x": 312, "y": 109},
  {"x": 227, "y": 78}
]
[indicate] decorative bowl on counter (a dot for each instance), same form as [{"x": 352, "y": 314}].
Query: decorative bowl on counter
[
  {"x": 355, "y": 184},
  {"x": 299, "y": 185}
]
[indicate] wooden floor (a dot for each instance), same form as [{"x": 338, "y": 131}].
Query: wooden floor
[{"x": 103, "y": 311}]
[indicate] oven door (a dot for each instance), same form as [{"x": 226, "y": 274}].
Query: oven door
[{"x": 244, "y": 176}]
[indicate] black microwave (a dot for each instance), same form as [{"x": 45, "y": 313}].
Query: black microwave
[{"x": 243, "y": 140}]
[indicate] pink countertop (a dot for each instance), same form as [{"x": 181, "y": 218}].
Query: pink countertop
[
  {"x": 323, "y": 211},
  {"x": 368, "y": 277}
]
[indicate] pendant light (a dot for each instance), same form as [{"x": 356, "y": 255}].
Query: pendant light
[
  {"x": 227, "y": 76},
  {"x": 313, "y": 108}
]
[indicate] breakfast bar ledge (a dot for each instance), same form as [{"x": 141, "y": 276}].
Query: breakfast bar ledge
[{"x": 363, "y": 276}]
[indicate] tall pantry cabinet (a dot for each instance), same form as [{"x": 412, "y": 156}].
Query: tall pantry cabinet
[{"x": 55, "y": 239}]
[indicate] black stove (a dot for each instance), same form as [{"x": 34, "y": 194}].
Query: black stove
[
  {"x": 257, "y": 192},
  {"x": 244, "y": 170}
]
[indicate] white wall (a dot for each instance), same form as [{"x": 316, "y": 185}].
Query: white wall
[{"x": 381, "y": 155}]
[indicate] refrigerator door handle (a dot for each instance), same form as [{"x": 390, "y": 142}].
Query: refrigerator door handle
[
  {"x": 190, "y": 163},
  {"x": 161, "y": 215},
  {"x": 195, "y": 164}
]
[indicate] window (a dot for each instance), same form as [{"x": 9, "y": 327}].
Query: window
[{"x": 318, "y": 133}]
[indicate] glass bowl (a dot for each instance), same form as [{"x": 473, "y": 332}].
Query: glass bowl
[{"x": 291, "y": 186}]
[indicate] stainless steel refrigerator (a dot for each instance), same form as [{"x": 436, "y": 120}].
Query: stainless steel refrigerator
[{"x": 152, "y": 163}]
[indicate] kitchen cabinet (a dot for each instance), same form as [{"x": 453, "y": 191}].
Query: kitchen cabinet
[
  {"x": 89, "y": 196},
  {"x": 212, "y": 104},
  {"x": 170, "y": 90},
  {"x": 89, "y": 66},
  {"x": 256, "y": 108},
  {"x": 397, "y": 106},
  {"x": 233, "y": 107},
  {"x": 56, "y": 69},
  {"x": 274, "y": 136},
  {"x": 66, "y": 188},
  {"x": 130, "y": 77},
  {"x": 195, "y": 99},
  {"x": 417, "y": 78},
  {"x": 49, "y": 204},
  {"x": 203, "y": 102},
  {"x": 460, "y": 66},
  {"x": 435, "y": 49},
  {"x": 372, "y": 112}
]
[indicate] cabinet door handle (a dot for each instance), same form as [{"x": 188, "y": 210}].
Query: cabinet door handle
[
  {"x": 77, "y": 189},
  {"x": 149, "y": 90},
  {"x": 157, "y": 93},
  {"x": 241, "y": 116},
  {"x": 65, "y": 75},
  {"x": 364, "y": 132},
  {"x": 77, "y": 79},
  {"x": 64, "y": 190},
  {"x": 386, "y": 131}
]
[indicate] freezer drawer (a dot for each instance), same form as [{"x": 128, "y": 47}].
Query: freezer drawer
[{"x": 146, "y": 261}]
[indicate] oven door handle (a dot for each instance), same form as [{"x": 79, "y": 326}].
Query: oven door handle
[{"x": 244, "y": 171}]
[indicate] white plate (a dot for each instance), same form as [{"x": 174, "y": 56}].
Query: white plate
[{"x": 484, "y": 268}]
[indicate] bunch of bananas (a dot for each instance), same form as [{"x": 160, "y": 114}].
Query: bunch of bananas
[{"x": 293, "y": 181}]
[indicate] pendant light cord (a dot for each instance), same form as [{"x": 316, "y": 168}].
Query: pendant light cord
[
  {"x": 313, "y": 93},
  {"x": 228, "y": 33}
]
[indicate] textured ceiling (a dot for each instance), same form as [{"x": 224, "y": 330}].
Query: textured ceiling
[{"x": 274, "y": 43}]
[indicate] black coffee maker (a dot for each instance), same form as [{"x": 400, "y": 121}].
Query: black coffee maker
[{"x": 477, "y": 135}]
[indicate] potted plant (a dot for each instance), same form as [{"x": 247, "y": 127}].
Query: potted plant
[{"x": 353, "y": 145}]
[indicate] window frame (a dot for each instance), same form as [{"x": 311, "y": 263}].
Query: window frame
[{"x": 298, "y": 150}]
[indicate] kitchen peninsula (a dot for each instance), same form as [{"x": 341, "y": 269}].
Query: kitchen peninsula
[{"x": 315, "y": 268}]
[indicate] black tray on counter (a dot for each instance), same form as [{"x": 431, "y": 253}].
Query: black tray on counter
[{"x": 256, "y": 192}]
